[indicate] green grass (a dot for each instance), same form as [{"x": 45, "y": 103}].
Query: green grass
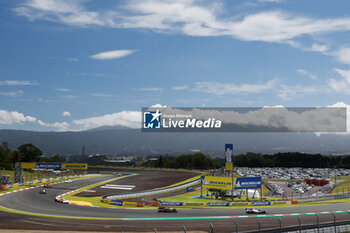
[{"x": 343, "y": 184}]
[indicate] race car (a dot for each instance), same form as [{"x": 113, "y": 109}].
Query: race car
[
  {"x": 42, "y": 191},
  {"x": 47, "y": 185},
  {"x": 61, "y": 200},
  {"x": 254, "y": 211},
  {"x": 68, "y": 181},
  {"x": 166, "y": 210}
]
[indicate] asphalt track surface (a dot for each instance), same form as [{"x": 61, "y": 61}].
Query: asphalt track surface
[{"x": 32, "y": 201}]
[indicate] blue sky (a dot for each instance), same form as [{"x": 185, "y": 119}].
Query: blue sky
[{"x": 75, "y": 65}]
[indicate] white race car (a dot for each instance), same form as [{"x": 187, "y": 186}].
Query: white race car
[
  {"x": 254, "y": 211},
  {"x": 61, "y": 200}
]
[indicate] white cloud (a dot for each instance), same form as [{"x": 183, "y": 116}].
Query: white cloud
[
  {"x": 195, "y": 18},
  {"x": 150, "y": 89},
  {"x": 11, "y": 93},
  {"x": 70, "y": 96},
  {"x": 66, "y": 114},
  {"x": 277, "y": 1},
  {"x": 59, "y": 126},
  {"x": 158, "y": 106},
  {"x": 17, "y": 83},
  {"x": 343, "y": 55},
  {"x": 103, "y": 95},
  {"x": 221, "y": 88},
  {"x": 341, "y": 85},
  {"x": 114, "y": 54},
  {"x": 306, "y": 73},
  {"x": 319, "y": 48},
  {"x": 8, "y": 117},
  {"x": 62, "y": 89},
  {"x": 130, "y": 119},
  {"x": 290, "y": 92},
  {"x": 70, "y": 12},
  {"x": 180, "y": 88},
  {"x": 73, "y": 59}
]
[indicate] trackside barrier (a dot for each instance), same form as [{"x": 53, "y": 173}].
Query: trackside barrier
[
  {"x": 260, "y": 203},
  {"x": 31, "y": 182},
  {"x": 218, "y": 204},
  {"x": 129, "y": 204},
  {"x": 168, "y": 203},
  {"x": 123, "y": 203},
  {"x": 194, "y": 204},
  {"x": 240, "y": 204}
]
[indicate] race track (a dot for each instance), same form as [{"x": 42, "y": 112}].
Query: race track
[{"x": 33, "y": 202}]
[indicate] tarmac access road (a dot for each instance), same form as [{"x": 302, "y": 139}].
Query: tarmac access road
[{"x": 32, "y": 201}]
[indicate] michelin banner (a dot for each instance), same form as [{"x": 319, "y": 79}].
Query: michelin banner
[
  {"x": 55, "y": 166},
  {"x": 216, "y": 182},
  {"x": 167, "y": 203},
  {"x": 248, "y": 183},
  {"x": 228, "y": 157}
]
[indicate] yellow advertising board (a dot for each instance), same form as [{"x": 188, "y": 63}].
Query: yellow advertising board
[
  {"x": 28, "y": 165},
  {"x": 74, "y": 166},
  {"x": 217, "y": 182},
  {"x": 127, "y": 203},
  {"x": 229, "y": 166}
]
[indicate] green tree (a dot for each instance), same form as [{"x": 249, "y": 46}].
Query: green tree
[
  {"x": 5, "y": 156},
  {"x": 29, "y": 153}
]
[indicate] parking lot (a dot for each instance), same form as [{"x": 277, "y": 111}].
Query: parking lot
[{"x": 290, "y": 182}]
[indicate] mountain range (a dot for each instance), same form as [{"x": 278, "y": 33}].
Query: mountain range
[{"x": 127, "y": 141}]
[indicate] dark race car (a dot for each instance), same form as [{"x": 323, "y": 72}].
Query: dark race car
[
  {"x": 166, "y": 210},
  {"x": 42, "y": 191},
  {"x": 254, "y": 211}
]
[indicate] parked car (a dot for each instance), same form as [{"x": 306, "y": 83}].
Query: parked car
[
  {"x": 166, "y": 210},
  {"x": 254, "y": 211}
]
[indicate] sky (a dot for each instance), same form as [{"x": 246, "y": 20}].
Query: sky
[{"x": 80, "y": 64}]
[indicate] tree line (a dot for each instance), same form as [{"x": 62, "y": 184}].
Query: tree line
[
  {"x": 197, "y": 160},
  {"x": 291, "y": 159},
  {"x": 24, "y": 153},
  {"x": 287, "y": 159}
]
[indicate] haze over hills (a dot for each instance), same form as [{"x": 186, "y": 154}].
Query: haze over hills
[{"x": 127, "y": 141}]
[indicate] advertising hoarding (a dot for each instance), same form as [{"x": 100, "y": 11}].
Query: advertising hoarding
[
  {"x": 228, "y": 157},
  {"x": 248, "y": 183},
  {"x": 216, "y": 182}
]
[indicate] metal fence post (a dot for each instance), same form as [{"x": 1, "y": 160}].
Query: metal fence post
[
  {"x": 211, "y": 228},
  {"x": 318, "y": 223},
  {"x": 280, "y": 221},
  {"x": 237, "y": 226},
  {"x": 259, "y": 224},
  {"x": 335, "y": 223},
  {"x": 185, "y": 230},
  {"x": 299, "y": 220}
]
